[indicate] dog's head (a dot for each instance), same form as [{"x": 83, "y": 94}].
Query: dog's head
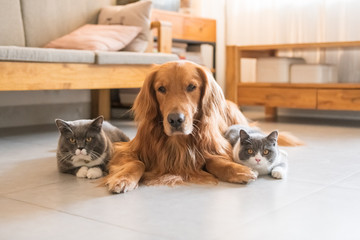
[{"x": 178, "y": 94}]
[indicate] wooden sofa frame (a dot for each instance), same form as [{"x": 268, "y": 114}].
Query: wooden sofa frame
[{"x": 29, "y": 76}]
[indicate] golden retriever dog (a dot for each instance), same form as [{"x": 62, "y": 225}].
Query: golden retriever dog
[{"x": 181, "y": 114}]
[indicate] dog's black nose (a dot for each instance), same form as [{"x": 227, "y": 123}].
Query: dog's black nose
[{"x": 176, "y": 119}]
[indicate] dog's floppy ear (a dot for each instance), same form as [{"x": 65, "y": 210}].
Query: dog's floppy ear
[
  {"x": 212, "y": 97},
  {"x": 145, "y": 105}
]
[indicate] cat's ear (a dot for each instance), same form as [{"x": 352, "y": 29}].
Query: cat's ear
[
  {"x": 244, "y": 135},
  {"x": 273, "y": 136},
  {"x": 97, "y": 123},
  {"x": 63, "y": 126}
]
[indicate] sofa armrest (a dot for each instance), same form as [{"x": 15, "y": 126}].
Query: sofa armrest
[{"x": 164, "y": 35}]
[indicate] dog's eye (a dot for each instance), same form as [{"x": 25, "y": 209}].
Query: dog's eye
[
  {"x": 190, "y": 88},
  {"x": 162, "y": 89}
]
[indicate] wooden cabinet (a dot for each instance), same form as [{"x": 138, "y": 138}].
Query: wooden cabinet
[
  {"x": 339, "y": 99},
  {"x": 277, "y": 97},
  {"x": 340, "y": 96},
  {"x": 189, "y": 29}
]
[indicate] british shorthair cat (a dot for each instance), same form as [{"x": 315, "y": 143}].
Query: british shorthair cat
[
  {"x": 85, "y": 146},
  {"x": 254, "y": 149}
]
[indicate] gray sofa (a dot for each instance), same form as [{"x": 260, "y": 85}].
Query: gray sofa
[{"x": 27, "y": 25}]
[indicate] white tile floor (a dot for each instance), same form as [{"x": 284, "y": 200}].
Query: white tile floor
[{"x": 319, "y": 199}]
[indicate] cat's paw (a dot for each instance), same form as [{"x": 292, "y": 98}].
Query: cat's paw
[
  {"x": 82, "y": 172},
  {"x": 94, "y": 173},
  {"x": 278, "y": 173}
]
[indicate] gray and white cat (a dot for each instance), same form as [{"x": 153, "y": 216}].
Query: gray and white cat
[
  {"x": 85, "y": 146},
  {"x": 254, "y": 149}
]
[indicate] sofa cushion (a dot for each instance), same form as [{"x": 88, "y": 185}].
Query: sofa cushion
[
  {"x": 29, "y": 54},
  {"x": 11, "y": 24},
  {"x": 97, "y": 37},
  {"x": 134, "y": 14},
  {"x": 46, "y": 20},
  {"x": 133, "y": 58}
]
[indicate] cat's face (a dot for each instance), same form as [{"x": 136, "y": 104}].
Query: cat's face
[
  {"x": 257, "y": 152},
  {"x": 82, "y": 140}
]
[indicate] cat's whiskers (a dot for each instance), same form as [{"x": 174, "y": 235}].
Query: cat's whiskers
[
  {"x": 66, "y": 157},
  {"x": 94, "y": 155}
]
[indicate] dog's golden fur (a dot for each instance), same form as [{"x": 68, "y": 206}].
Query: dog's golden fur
[{"x": 194, "y": 152}]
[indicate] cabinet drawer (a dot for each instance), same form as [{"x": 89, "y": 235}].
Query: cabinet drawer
[
  {"x": 339, "y": 99},
  {"x": 187, "y": 27},
  {"x": 277, "y": 97},
  {"x": 199, "y": 29}
]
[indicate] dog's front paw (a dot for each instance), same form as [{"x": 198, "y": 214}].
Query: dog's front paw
[
  {"x": 119, "y": 184},
  {"x": 123, "y": 186},
  {"x": 81, "y": 173},
  {"x": 125, "y": 177},
  {"x": 242, "y": 174},
  {"x": 93, "y": 173}
]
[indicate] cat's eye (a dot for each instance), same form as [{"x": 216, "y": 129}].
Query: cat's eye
[
  {"x": 72, "y": 140},
  {"x": 266, "y": 152},
  {"x": 88, "y": 139},
  {"x": 190, "y": 88},
  {"x": 162, "y": 89},
  {"x": 250, "y": 151}
]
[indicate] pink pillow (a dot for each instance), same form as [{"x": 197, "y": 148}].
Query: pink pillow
[{"x": 97, "y": 37}]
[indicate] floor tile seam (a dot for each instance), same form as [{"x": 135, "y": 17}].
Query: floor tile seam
[
  {"x": 33, "y": 187},
  {"x": 301, "y": 197},
  {"x": 19, "y": 140},
  {"x": 114, "y": 225},
  {"x": 328, "y": 184},
  {"x": 25, "y": 142},
  {"x": 347, "y": 187},
  {"x": 310, "y": 181},
  {"x": 87, "y": 218},
  {"x": 322, "y": 187},
  {"x": 336, "y": 184}
]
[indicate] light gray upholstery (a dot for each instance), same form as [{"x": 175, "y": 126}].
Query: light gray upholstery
[
  {"x": 34, "y": 23},
  {"x": 29, "y": 54},
  {"x": 11, "y": 24},
  {"x": 133, "y": 58},
  {"x": 46, "y": 20}
]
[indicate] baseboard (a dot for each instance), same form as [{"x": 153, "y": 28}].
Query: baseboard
[{"x": 29, "y": 115}]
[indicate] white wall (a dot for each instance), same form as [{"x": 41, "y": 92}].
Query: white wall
[{"x": 259, "y": 22}]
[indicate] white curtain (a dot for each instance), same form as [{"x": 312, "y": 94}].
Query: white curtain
[
  {"x": 215, "y": 9},
  {"x": 252, "y": 22}
]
